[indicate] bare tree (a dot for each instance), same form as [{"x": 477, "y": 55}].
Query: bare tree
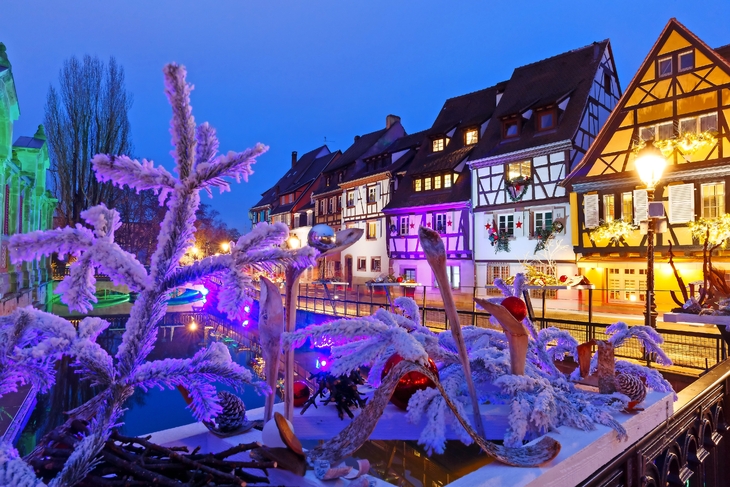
[
  {"x": 141, "y": 216},
  {"x": 86, "y": 115}
]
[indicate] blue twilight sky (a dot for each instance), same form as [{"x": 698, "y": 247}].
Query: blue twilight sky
[{"x": 290, "y": 73}]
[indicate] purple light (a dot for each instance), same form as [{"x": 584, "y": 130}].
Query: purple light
[
  {"x": 245, "y": 323},
  {"x": 247, "y": 308},
  {"x": 323, "y": 362}
]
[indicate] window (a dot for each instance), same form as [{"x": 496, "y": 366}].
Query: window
[
  {"x": 454, "y": 274},
  {"x": 496, "y": 271},
  {"x": 440, "y": 223},
  {"x": 333, "y": 204},
  {"x": 409, "y": 275},
  {"x": 350, "y": 199},
  {"x": 510, "y": 128},
  {"x": 323, "y": 207},
  {"x": 506, "y": 223},
  {"x": 665, "y": 67},
  {"x": 687, "y": 60},
  {"x": 404, "y": 225},
  {"x": 341, "y": 177},
  {"x": 309, "y": 218},
  {"x": 624, "y": 285},
  {"x": 328, "y": 180},
  {"x": 362, "y": 264},
  {"x": 647, "y": 133},
  {"x": 437, "y": 182},
  {"x": 708, "y": 122},
  {"x": 372, "y": 198},
  {"x": 282, "y": 200},
  {"x": 688, "y": 125},
  {"x": 607, "y": 82},
  {"x": 375, "y": 264},
  {"x": 447, "y": 180},
  {"x": 291, "y": 198},
  {"x": 438, "y": 144},
  {"x": 546, "y": 119},
  {"x": 543, "y": 220},
  {"x": 417, "y": 184},
  {"x": 713, "y": 200},
  {"x": 296, "y": 220},
  {"x": 427, "y": 184},
  {"x": 665, "y": 130},
  {"x": 471, "y": 136},
  {"x": 372, "y": 230},
  {"x": 609, "y": 208},
  {"x": 518, "y": 170}
]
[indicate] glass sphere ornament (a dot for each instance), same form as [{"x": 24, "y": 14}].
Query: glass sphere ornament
[
  {"x": 409, "y": 383},
  {"x": 322, "y": 237},
  {"x": 301, "y": 393},
  {"x": 516, "y": 307}
]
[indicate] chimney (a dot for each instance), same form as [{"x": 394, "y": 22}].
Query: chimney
[
  {"x": 293, "y": 158},
  {"x": 357, "y": 137},
  {"x": 391, "y": 120}
]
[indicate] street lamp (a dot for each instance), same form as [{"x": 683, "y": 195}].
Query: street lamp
[
  {"x": 225, "y": 246},
  {"x": 650, "y": 164}
]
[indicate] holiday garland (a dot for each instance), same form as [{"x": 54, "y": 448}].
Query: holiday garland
[
  {"x": 545, "y": 234},
  {"x": 685, "y": 143},
  {"x": 517, "y": 187},
  {"x": 719, "y": 230},
  {"x": 615, "y": 231},
  {"x": 498, "y": 238}
]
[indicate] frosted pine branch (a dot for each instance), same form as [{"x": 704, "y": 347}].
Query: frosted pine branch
[
  {"x": 236, "y": 165},
  {"x": 182, "y": 124},
  {"x": 14, "y": 471},
  {"x": 64, "y": 241},
  {"x": 207, "y": 147},
  {"x": 648, "y": 337},
  {"x": 78, "y": 288},
  {"x": 122, "y": 170}
]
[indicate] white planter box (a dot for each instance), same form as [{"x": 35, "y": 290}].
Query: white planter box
[
  {"x": 690, "y": 318},
  {"x": 581, "y": 454}
]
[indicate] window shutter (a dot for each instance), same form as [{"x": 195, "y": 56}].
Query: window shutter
[
  {"x": 519, "y": 217},
  {"x": 641, "y": 206},
  {"x": 590, "y": 210},
  {"x": 681, "y": 203}
]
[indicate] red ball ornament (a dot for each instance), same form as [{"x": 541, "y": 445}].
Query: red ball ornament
[
  {"x": 400, "y": 279},
  {"x": 409, "y": 383},
  {"x": 516, "y": 307},
  {"x": 301, "y": 393}
]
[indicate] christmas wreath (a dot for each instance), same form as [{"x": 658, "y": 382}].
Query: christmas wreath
[{"x": 517, "y": 187}]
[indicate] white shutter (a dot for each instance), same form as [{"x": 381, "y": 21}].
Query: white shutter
[
  {"x": 590, "y": 210},
  {"x": 520, "y": 217},
  {"x": 641, "y": 206},
  {"x": 681, "y": 203}
]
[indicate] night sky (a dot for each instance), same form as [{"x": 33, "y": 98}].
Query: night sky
[{"x": 292, "y": 73}]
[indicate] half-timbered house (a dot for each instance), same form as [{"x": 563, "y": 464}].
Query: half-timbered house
[
  {"x": 435, "y": 191},
  {"x": 680, "y": 99},
  {"x": 352, "y": 193},
  {"x": 546, "y": 118}
]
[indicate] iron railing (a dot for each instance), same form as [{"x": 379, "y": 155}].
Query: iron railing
[{"x": 689, "y": 449}]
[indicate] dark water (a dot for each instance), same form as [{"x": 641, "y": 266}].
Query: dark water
[{"x": 146, "y": 411}]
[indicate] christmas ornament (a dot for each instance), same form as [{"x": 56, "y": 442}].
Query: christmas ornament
[
  {"x": 516, "y": 307},
  {"x": 301, "y": 393},
  {"x": 233, "y": 415},
  {"x": 409, "y": 383},
  {"x": 322, "y": 237},
  {"x": 400, "y": 279},
  {"x": 631, "y": 386}
]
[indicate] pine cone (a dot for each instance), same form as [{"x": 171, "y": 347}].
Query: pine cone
[
  {"x": 234, "y": 412},
  {"x": 631, "y": 386}
]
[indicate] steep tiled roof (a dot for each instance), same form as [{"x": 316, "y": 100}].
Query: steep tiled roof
[
  {"x": 357, "y": 149},
  {"x": 407, "y": 142},
  {"x": 539, "y": 85},
  {"x": 29, "y": 142},
  {"x": 724, "y": 51},
  {"x": 405, "y": 197}
]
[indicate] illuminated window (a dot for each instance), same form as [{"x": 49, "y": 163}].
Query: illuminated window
[
  {"x": 404, "y": 225},
  {"x": 372, "y": 230},
  {"x": 438, "y": 144},
  {"x": 471, "y": 136},
  {"x": 350, "y": 199},
  {"x": 517, "y": 170},
  {"x": 687, "y": 60},
  {"x": 371, "y": 194},
  {"x": 455, "y": 178},
  {"x": 546, "y": 120},
  {"x": 627, "y": 207},
  {"x": 409, "y": 275},
  {"x": 417, "y": 184},
  {"x": 713, "y": 200},
  {"x": 375, "y": 264},
  {"x": 437, "y": 182},
  {"x": 543, "y": 220},
  {"x": 328, "y": 181},
  {"x": 506, "y": 223},
  {"x": 447, "y": 180},
  {"x": 496, "y": 271},
  {"x": 609, "y": 208},
  {"x": 510, "y": 128},
  {"x": 439, "y": 223},
  {"x": 362, "y": 264},
  {"x": 665, "y": 67},
  {"x": 427, "y": 184}
]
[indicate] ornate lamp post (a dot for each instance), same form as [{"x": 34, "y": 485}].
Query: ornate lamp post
[{"x": 650, "y": 164}]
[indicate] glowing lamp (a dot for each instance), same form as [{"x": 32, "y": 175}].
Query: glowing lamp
[
  {"x": 195, "y": 250},
  {"x": 245, "y": 323},
  {"x": 192, "y": 326},
  {"x": 247, "y": 308},
  {"x": 225, "y": 246},
  {"x": 323, "y": 362},
  {"x": 294, "y": 242},
  {"x": 650, "y": 164}
]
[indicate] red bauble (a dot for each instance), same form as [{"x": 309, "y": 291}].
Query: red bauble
[
  {"x": 301, "y": 393},
  {"x": 516, "y": 307},
  {"x": 409, "y": 383},
  {"x": 400, "y": 279}
]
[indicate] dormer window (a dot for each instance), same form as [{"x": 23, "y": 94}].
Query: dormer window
[
  {"x": 447, "y": 180},
  {"x": 471, "y": 136},
  {"x": 439, "y": 144},
  {"x": 546, "y": 119},
  {"x": 517, "y": 170},
  {"x": 437, "y": 182},
  {"x": 417, "y": 184},
  {"x": 510, "y": 128},
  {"x": 664, "y": 67},
  {"x": 328, "y": 181},
  {"x": 340, "y": 177},
  {"x": 687, "y": 60}
]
